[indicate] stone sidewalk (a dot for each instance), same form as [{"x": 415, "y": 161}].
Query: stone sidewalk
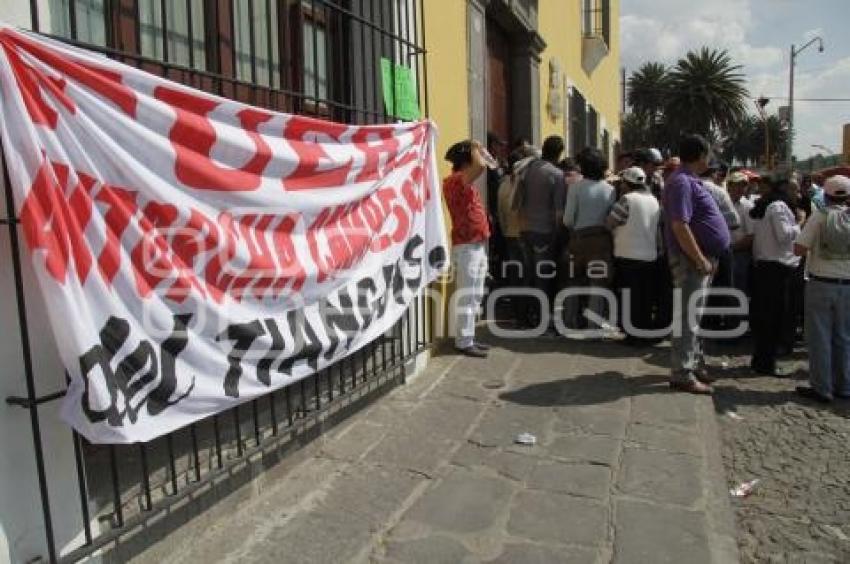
[{"x": 624, "y": 471}]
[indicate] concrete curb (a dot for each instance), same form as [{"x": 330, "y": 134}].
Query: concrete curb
[{"x": 720, "y": 518}]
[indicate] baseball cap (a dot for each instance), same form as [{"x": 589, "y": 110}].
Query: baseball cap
[
  {"x": 633, "y": 175},
  {"x": 837, "y": 186},
  {"x": 655, "y": 156},
  {"x": 738, "y": 177}
]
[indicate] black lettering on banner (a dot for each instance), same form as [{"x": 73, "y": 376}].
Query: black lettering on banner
[
  {"x": 366, "y": 290},
  {"x": 307, "y": 344},
  {"x": 243, "y": 336},
  {"x": 409, "y": 250},
  {"x": 265, "y": 365},
  {"x": 134, "y": 374},
  {"x": 160, "y": 398},
  {"x": 359, "y": 305},
  {"x": 337, "y": 319}
]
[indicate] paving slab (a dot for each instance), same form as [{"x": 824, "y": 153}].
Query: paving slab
[
  {"x": 560, "y": 519},
  {"x": 583, "y": 479},
  {"x": 463, "y": 502},
  {"x": 660, "y": 476},
  {"x": 647, "y": 532}
]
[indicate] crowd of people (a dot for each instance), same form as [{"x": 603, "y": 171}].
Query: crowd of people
[{"x": 670, "y": 239}]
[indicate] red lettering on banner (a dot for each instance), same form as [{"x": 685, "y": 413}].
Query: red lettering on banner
[
  {"x": 357, "y": 234},
  {"x": 309, "y": 174},
  {"x": 30, "y": 83},
  {"x": 192, "y": 136},
  {"x": 122, "y": 207},
  {"x": 198, "y": 236},
  {"x": 103, "y": 82},
  {"x": 325, "y": 226},
  {"x": 226, "y": 245},
  {"x": 172, "y": 256},
  {"x": 261, "y": 268},
  {"x": 292, "y": 274},
  {"x": 54, "y": 223},
  {"x": 151, "y": 263},
  {"x": 387, "y": 149}
]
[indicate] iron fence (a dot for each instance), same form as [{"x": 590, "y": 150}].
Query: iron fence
[{"x": 317, "y": 57}]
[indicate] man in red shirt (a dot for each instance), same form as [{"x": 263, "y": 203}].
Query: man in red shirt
[{"x": 470, "y": 232}]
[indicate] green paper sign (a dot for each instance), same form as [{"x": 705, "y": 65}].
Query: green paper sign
[{"x": 405, "y": 103}]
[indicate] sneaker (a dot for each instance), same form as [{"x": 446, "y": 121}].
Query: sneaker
[
  {"x": 813, "y": 394},
  {"x": 472, "y": 351},
  {"x": 692, "y": 386},
  {"x": 482, "y": 346}
]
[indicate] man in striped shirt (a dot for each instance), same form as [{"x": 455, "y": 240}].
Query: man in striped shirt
[{"x": 634, "y": 221}]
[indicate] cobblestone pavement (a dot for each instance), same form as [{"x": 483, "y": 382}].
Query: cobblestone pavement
[
  {"x": 800, "y": 511},
  {"x": 624, "y": 471}
]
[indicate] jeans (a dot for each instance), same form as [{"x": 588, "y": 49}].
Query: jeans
[
  {"x": 723, "y": 280},
  {"x": 828, "y": 337},
  {"x": 540, "y": 254},
  {"x": 515, "y": 269},
  {"x": 471, "y": 270},
  {"x": 686, "y": 345},
  {"x": 769, "y": 311}
]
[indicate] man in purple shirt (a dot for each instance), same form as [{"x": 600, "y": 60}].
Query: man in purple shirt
[{"x": 696, "y": 235}]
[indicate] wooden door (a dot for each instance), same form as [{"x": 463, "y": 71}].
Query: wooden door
[{"x": 498, "y": 82}]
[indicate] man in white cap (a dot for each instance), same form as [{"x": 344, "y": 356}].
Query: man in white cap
[
  {"x": 634, "y": 221},
  {"x": 826, "y": 240}
]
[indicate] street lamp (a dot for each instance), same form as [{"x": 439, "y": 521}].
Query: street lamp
[
  {"x": 824, "y": 147},
  {"x": 794, "y": 53}
]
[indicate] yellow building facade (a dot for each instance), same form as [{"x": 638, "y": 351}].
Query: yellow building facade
[{"x": 525, "y": 69}]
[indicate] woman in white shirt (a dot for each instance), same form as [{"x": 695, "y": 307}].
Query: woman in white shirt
[
  {"x": 826, "y": 240},
  {"x": 775, "y": 228}
]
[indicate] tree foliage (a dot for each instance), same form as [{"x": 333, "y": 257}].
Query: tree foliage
[{"x": 703, "y": 92}]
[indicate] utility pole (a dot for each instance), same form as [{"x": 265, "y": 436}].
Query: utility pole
[
  {"x": 760, "y": 104},
  {"x": 794, "y": 53}
]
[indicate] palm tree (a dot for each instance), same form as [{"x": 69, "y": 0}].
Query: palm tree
[
  {"x": 706, "y": 93},
  {"x": 648, "y": 89},
  {"x": 647, "y": 93},
  {"x": 745, "y": 142}
]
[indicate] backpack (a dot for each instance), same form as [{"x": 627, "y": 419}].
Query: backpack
[{"x": 835, "y": 234}]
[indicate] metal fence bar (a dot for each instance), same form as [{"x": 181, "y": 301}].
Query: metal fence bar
[
  {"x": 163, "y": 20},
  {"x": 83, "y": 486},
  {"x": 190, "y": 33}
]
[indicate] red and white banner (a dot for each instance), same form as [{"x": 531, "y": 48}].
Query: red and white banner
[{"x": 194, "y": 252}]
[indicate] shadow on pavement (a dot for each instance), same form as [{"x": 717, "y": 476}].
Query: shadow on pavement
[
  {"x": 658, "y": 355},
  {"x": 588, "y": 389}
]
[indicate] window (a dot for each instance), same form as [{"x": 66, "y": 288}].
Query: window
[
  {"x": 592, "y": 127},
  {"x": 256, "y": 20},
  {"x": 315, "y": 51},
  {"x": 596, "y": 19},
  {"x": 184, "y": 42},
  {"x": 606, "y": 144},
  {"x": 87, "y": 25},
  {"x": 316, "y": 71},
  {"x": 578, "y": 122}
]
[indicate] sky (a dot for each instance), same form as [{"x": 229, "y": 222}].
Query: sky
[{"x": 758, "y": 35}]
